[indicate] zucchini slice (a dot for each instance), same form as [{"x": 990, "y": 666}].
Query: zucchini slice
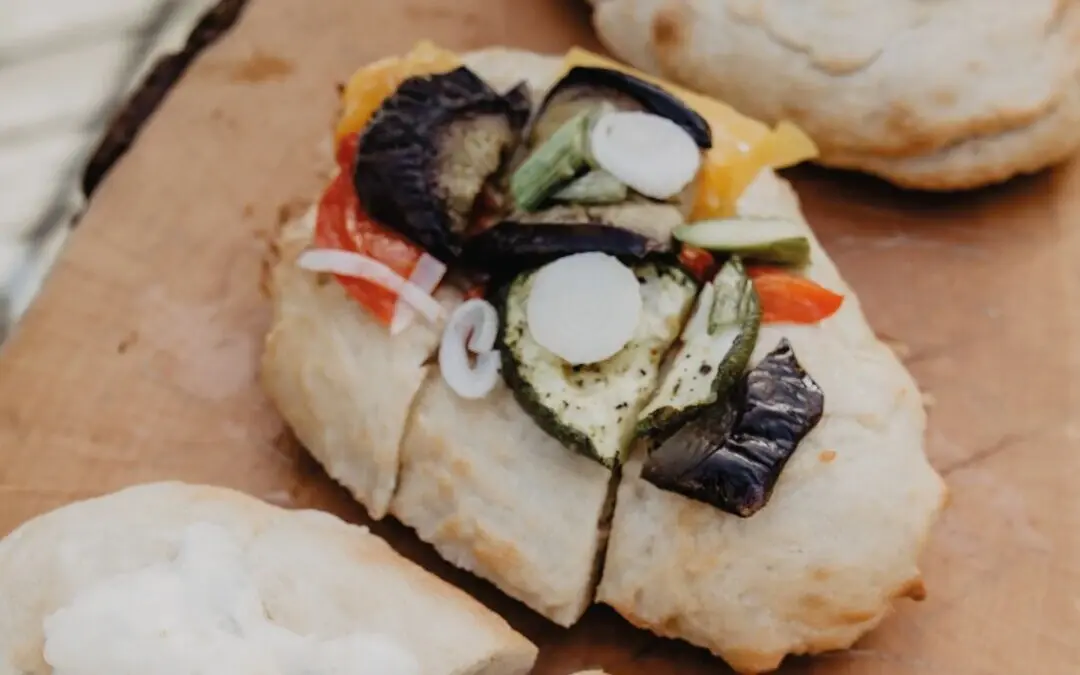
[
  {"x": 716, "y": 347},
  {"x": 593, "y": 409},
  {"x": 768, "y": 240}
]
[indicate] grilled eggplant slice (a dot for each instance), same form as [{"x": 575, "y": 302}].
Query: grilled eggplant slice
[
  {"x": 429, "y": 150},
  {"x": 731, "y": 455},
  {"x": 716, "y": 347},
  {"x": 593, "y": 409},
  {"x": 508, "y": 247},
  {"x": 587, "y": 87},
  {"x": 653, "y": 220}
]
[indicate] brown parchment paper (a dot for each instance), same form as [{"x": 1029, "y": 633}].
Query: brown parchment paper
[{"x": 138, "y": 360}]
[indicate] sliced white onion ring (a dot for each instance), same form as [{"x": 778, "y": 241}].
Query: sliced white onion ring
[
  {"x": 584, "y": 308},
  {"x": 472, "y": 328},
  {"x": 426, "y": 276},
  {"x": 649, "y": 153},
  {"x": 356, "y": 265}
]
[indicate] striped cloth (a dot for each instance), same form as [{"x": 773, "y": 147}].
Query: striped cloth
[{"x": 65, "y": 67}]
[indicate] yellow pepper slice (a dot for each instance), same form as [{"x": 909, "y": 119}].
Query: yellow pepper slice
[{"x": 371, "y": 85}]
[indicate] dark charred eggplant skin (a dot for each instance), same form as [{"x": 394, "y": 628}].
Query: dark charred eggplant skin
[
  {"x": 732, "y": 455},
  {"x": 650, "y": 97},
  {"x": 510, "y": 247},
  {"x": 398, "y": 156},
  {"x": 519, "y": 102}
]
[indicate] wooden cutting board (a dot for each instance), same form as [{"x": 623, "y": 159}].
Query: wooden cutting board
[{"x": 138, "y": 361}]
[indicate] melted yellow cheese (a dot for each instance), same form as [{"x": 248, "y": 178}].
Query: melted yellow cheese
[{"x": 742, "y": 146}]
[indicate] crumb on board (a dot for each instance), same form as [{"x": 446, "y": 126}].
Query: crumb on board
[
  {"x": 129, "y": 341},
  {"x": 261, "y": 67},
  {"x": 899, "y": 347}
]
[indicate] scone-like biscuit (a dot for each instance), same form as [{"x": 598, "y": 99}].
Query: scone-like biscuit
[
  {"x": 937, "y": 95},
  {"x": 255, "y": 581}
]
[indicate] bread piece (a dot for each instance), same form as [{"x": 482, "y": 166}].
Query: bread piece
[
  {"x": 485, "y": 485},
  {"x": 930, "y": 95},
  {"x": 499, "y": 497},
  {"x": 342, "y": 385},
  {"x": 305, "y": 572},
  {"x": 348, "y": 391},
  {"x": 819, "y": 565}
]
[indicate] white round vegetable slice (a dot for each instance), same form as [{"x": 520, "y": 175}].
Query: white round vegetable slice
[
  {"x": 650, "y": 153},
  {"x": 472, "y": 328},
  {"x": 584, "y": 308}
]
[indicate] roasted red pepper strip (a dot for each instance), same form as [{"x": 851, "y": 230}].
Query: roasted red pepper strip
[
  {"x": 788, "y": 298},
  {"x": 697, "y": 261},
  {"x": 342, "y": 224}
]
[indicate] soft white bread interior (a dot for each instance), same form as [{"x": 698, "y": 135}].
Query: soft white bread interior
[{"x": 305, "y": 572}]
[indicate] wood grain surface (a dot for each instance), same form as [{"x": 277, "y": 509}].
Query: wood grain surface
[{"x": 138, "y": 361}]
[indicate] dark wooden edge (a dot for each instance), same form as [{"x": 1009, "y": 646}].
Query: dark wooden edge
[{"x": 125, "y": 125}]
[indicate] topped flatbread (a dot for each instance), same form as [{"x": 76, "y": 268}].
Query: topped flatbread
[{"x": 566, "y": 322}]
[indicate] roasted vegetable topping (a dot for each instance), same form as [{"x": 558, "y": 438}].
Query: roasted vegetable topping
[
  {"x": 509, "y": 248},
  {"x": 649, "y": 153},
  {"x": 789, "y": 298},
  {"x": 731, "y": 455},
  {"x": 768, "y": 240},
  {"x": 583, "y": 308},
  {"x": 716, "y": 347},
  {"x": 467, "y": 360},
  {"x": 593, "y": 408},
  {"x": 428, "y": 151},
  {"x": 342, "y": 225},
  {"x": 553, "y": 165},
  {"x": 586, "y": 88},
  {"x": 369, "y": 86},
  {"x": 697, "y": 261},
  {"x": 596, "y": 187},
  {"x": 350, "y": 265},
  {"x": 648, "y": 219}
]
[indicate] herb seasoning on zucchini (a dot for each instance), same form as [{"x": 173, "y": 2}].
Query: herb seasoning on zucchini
[
  {"x": 716, "y": 347},
  {"x": 731, "y": 455},
  {"x": 593, "y": 408}
]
